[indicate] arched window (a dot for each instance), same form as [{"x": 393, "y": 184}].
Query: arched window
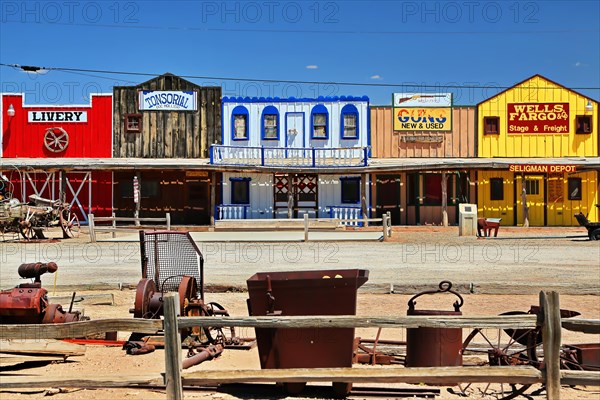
[
  {"x": 319, "y": 122},
  {"x": 270, "y": 123},
  {"x": 239, "y": 123},
  {"x": 349, "y": 122}
]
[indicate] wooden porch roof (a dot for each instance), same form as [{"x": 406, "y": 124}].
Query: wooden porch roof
[{"x": 380, "y": 165}]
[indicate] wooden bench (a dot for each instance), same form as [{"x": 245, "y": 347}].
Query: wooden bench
[{"x": 487, "y": 224}]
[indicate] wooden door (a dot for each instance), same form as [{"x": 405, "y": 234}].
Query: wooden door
[{"x": 388, "y": 197}]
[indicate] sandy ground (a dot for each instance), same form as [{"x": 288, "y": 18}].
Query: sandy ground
[
  {"x": 100, "y": 360},
  {"x": 518, "y": 263}
]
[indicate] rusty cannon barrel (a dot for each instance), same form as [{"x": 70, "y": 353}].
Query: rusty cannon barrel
[
  {"x": 434, "y": 347},
  {"x": 35, "y": 270}
]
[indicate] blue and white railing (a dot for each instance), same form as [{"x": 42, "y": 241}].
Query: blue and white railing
[
  {"x": 289, "y": 157},
  {"x": 346, "y": 213},
  {"x": 232, "y": 211}
]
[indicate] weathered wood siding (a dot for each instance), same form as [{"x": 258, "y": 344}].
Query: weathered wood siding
[
  {"x": 167, "y": 134},
  {"x": 460, "y": 142}
]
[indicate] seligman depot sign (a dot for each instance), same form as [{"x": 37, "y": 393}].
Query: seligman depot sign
[
  {"x": 155, "y": 100},
  {"x": 538, "y": 118}
]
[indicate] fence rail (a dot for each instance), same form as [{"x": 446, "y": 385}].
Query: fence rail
[
  {"x": 174, "y": 379},
  {"x": 311, "y": 157},
  {"x": 93, "y": 228}
]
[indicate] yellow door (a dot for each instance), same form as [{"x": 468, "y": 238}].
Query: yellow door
[{"x": 534, "y": 187}]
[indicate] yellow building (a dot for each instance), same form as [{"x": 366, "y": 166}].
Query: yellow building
[{"x": 547, "y": 136}]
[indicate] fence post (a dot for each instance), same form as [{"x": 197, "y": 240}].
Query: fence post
[
  {"x": 114, "y": 225},
  {"x": 384, "y": 223},
  {"x": 91, "y": 228},
  {"x": 168, "y": 218},
  {"x": 306, "y": 227},
  {"x": 173, "y": 364},
  {"x": 551, "y": 332},
  {"x": 389, "y": 224}
]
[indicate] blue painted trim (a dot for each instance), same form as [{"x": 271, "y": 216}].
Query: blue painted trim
[
  {"x": 319, "y": 109},
  {"x": 212, "y": 158},
  {"x": 346, "y": 179},
  {"x": 239, "y": 110},
  {"x": 319, "y": 99},
  {"x": 247, "y": 189},
  {"x": 349, "y": 109},
  {"x": 269, "y": 110}
]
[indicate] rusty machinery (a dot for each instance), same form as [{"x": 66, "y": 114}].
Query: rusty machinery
[
  {"x": 28, "y": 302},
  {"x": 171, "y": 262}
]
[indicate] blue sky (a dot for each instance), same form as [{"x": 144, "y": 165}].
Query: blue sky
[{"x": 424, "y": 45}]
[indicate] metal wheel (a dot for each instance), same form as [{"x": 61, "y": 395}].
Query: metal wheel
[
  {"x": 69, "y": 223},
  {"x": 143, "y": 295},
  {"x": 218, "y": 335},
  {"x": 26, "y": 229},
  {"x": 497, "y": 347}
]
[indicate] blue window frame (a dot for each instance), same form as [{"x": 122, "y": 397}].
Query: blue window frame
[
  {"x": 239, "y": 123},
  {"x": 270, "y": 123},
  {"x": 240, "y": 190},
  {"x": 319, "y": 122},
  {"x": 349, "y": 122},
  {"x": 350, "y": 189}
]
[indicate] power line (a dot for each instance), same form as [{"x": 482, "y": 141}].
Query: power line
[
  {"x": 313, "y": 31},
  {"x": 36, "y": 69}
]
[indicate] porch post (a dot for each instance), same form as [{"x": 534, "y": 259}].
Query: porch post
[
  {"x": 363, "y": 198},
  {"x": 444, "y": 199},
  {"x": 290, "y": 199},
  {"x": 62, "y": 195},
  {"x": 524, "y": 201},
  {"x": 213, "y": 196}
]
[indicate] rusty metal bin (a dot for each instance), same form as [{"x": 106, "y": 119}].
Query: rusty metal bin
[
  {"x": 321, "y": 292},
  {"x": 434, "y": 347}
]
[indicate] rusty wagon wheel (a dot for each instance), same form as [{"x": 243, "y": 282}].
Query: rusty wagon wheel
[
  {"x": 26, "y": 229},
  {"x": 498, "y": 347},
  {"x": 69, "y": 224}
]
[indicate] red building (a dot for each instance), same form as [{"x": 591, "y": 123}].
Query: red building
[{"x": 61, "y": 132}]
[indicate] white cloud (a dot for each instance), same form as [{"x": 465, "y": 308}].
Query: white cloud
[
  {"x": 376, "y": 77},
  {"x": 580, "y": 64},
  {"x": 312, "y": 66}
]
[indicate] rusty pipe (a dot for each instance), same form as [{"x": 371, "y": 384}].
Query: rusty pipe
[
  {"x": 207, "y": 353},
  {"x": 35, "y": 270}
]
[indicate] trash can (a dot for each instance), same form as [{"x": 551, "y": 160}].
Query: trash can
[
  {"x": 434, "y": 347},
  {"x": 467, "y": 219},
  {"x": 320, "y": 292}
]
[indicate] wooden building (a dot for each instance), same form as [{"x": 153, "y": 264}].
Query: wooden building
[
  {"x": 39, "y": 132},
  {"x": 414, "y": 194},
  {"x": 166, "y": 117},
  {"x": 538, "y": 120},
  {"x": 279, "y": 155}
]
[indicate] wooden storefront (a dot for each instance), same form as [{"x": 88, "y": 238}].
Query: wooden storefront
[
  {"x": 414, "y": 195},
  {"x": 538, "y": 119}
]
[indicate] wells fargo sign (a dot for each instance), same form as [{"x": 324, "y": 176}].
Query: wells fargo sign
[
  {"x": 423, "y": 119},
  {"x": 545, "y": 169},
  {"x": 536, "y": 118}
]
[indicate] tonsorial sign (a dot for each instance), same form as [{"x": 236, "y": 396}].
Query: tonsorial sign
[{"x": 152, "y": 100}]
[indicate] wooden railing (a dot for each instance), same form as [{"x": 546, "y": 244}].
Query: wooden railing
[
  {"x": 174, "y": 379},
  {"x": 113, "y": 228},
  {"x": 311, "y": 157},
  {"x": 349, "y": 214}
]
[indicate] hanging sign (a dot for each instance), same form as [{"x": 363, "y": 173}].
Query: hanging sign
[
  {"x": 422, "y": 119},
  {"x": 156, "y": 100}
]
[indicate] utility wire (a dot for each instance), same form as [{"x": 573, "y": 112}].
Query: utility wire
[
  {"x": 36, "y": 69},
  {"x": 312, "y": 31}
]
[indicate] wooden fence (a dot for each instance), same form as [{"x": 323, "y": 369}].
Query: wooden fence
[
  {"x": 93, "y": 228},
  {"x": 174, "y": 379}
]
